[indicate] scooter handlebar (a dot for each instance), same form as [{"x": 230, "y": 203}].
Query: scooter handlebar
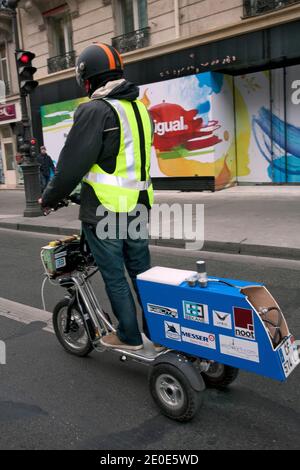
[{"x": 62, "y": 203}]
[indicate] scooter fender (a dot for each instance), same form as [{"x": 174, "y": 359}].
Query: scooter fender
[{"x": 185, "y": 366}]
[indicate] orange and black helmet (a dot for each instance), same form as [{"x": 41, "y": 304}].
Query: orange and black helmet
[{"x": 97, "y": 60}]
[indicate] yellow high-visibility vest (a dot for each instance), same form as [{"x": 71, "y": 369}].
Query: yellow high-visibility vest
[{"x": 119, "y": 191}]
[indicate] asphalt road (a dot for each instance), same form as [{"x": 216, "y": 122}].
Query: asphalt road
[{"x": 52, "y": 400}]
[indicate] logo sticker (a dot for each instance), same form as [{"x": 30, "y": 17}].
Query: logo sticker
[
  {"x": 241, "y": 348},
  {"x": 195, "y": 312},
  {"x": 172, "y": 331},
  {"x": 244, "y": 323},
  {"x": 222, "y": 319},
  {"x": 201, "y": 338},
  {"x": 289, "y": 356},
  {"x": 60, "y": 263},
  {"x": 160, "y": 310}
]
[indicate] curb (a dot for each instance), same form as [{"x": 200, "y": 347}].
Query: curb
[
  {"x": 241, "y": 248},
  {"x": 39, "y": 228}
]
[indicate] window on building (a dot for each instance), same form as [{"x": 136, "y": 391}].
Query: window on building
[
  {"x": 134, "y": 15},
  {"x": 4, "y": 76},
  {"x": 5, "y": 132},
  {"x": 132, "y": 25},
  {"x": 9, "y": 156},
  {"x": 2, "y": 178},
  {"x": 60, "y": 37},
  {"x": 60, "y": 34}
]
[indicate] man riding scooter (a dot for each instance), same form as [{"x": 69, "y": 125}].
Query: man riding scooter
[{"x": 108, "y": 149}]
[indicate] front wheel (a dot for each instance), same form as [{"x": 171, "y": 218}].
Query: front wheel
[
  {"x": 219, "y": 375},
  {"x": 173, "y": 393},
  {"x": 75, "y": 340}
]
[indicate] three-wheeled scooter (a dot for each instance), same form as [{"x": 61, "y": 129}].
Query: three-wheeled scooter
[{"x": 210, "y": 327}]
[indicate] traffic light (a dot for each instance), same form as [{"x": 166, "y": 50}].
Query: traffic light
[
  {"x": 9, "y": 4},
  {"x": 26, "y": 71},
  {"x": 33, "y": 150}
]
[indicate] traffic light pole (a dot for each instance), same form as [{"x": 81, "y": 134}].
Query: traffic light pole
[{"x": 30, "y": 166}]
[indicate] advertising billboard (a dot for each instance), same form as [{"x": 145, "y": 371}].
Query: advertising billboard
[
  {"x": 193, "y": 126},
  {"x": 205, "y": 125}
]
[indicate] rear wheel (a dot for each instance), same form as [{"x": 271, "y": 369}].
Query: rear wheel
[
  {"x": 219, "y": 375},
  {"x": 75, "y": 340},
  {"x": 173, "y": 393}
]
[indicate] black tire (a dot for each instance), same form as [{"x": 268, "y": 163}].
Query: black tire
[
  {"x": 86, "y": 346},
  {"x": 167, "y": 382},
  {"x": 219, "y": 375}
]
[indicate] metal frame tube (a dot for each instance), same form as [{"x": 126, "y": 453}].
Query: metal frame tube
[
  {"x": 97, "y": 307},
  {"x": 96, "y": 314},
  {"x": 92, "y": 305}
]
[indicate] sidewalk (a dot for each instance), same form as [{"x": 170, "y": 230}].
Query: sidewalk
[{"x": 252, "y": 220}]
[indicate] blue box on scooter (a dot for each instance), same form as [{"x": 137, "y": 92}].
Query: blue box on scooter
[{"x": 219, "y": 322}]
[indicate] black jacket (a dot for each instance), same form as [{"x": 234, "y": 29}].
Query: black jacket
[
  {"x": 46, "y": 164},
  {"x": 87, "y": 144}
]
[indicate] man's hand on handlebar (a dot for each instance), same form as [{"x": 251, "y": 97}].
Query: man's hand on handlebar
[{"x": 47, "y": 210}]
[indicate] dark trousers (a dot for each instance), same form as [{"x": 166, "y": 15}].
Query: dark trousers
[
  {"x": 112, "y": 256},
  {"x": 44, "y": 180}
]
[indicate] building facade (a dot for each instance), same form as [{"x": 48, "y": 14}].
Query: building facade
[
  {"x": 10, "y": 112},
  {"x": 231, "y": 66}
]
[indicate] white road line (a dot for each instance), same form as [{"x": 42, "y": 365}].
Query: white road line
[{"x": 25, "y": 314}]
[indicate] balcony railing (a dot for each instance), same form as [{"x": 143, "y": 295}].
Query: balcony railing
[
  {"x": 61, "y": 62},
  {"x": 131, "y": 41},
  {"x": 259, "y": 7}
]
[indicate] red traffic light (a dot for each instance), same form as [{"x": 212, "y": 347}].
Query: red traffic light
[
  {"x": 26, "y": 71},
  {"x": 33, "y": 141},
  {"x": 25, "y": 59}
]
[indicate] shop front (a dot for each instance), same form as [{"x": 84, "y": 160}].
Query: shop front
[
  {"x": 10, "y": 174},
  {"x": 224, "y": 113}
]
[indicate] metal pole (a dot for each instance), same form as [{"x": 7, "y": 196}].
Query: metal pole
[{"x": 30, "y": 166}]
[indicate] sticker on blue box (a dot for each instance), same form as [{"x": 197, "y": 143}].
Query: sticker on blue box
[
  {"x": 195, "y": 312},
  {"x": 222, "y": 319},
  {"x": 241, "y": 348},
  {"x": 160, "y": 310},
  {"x": 244, "y": 323},
  {"x": 172, "y": 331},
  {"x": 200, "y": 338},
  {"x": 289, "y": 356}
]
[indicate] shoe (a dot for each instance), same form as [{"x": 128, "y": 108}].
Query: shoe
[
  {"x": 112, "y": 341},
  {"x": 158, "y": 347}
]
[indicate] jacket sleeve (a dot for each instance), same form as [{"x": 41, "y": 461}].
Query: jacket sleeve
[{"x": 80, "y": 152}]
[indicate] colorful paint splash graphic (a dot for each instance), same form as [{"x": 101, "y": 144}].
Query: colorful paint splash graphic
[
  {"x": 284, "y": 165},
  {"x": 185, "y": 138}
]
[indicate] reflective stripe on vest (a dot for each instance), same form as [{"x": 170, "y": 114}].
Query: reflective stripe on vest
[
  {"x": 113, "y": 180},
  {"x": 128, "y": 138}
]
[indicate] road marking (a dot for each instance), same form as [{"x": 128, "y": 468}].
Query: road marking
[{"x": 25, "y": 313}]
